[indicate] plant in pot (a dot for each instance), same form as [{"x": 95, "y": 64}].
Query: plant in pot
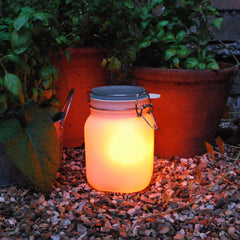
[
  {"x": 28, "y": 104},
  {"x": 94, "y": 35},
  {"x": 79, "y": 65},
  {"x": 174, "y": 60}
]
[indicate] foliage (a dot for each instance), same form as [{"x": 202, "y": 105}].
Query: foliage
[
  {"x": 28, "y": 146},
  {"x": 27, "y": 78},
  {"x": 177, "y": 35},
  {"x": 110, "y": 25},
  {"x": 12, "y": 8},
  {"x": 26, "y": 73},
  {"x": 163, "y": 33}
]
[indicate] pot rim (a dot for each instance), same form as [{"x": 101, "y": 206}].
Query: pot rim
[
  {"x": 79, "y": 50},
  {"x": 226, "y": 73}
]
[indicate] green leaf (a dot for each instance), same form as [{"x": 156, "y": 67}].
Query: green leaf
[
  {"x": 217, "y": 23},
  {"x": 4, "y": 36},
  {"x": 47, "y": 83},
  {"x": 182, "y": 52},
  {"x": 201, "y": 66},
  {"x": 1, "y": 83},
  {"x": 144, "y": 14},
  {"x": 114, "y": 64},
  {"x": 20, "y": 40},
  {"x": 104, "y": 62},
  {"x": 67, "y": 55},
  {"x": 144, "y": 44},
  {"x": 61, "y": 39},
  {"x": 46, "y": 75},
  {"x": 160, "y": 34},
  {"x": 144, "y": 24},
  {"x": 42, "y": 17},
  {"x": 128, "y": 4},
  {"x": 168, "y": 37},
  {"x": 3, "y": 103},
  {"x": 213, "y": 65},
  {"x": 13, "y": 84},
  {"x": 27, "y": 10},
  {"x": 176, "y": 62},
  {"x": 17, "y": 60},
  {"x": 162, "y": 24},
  {"x": 21, "y": 20},
  {"x": 191, "y": 63},
  {"x": 169, "y": 53},
  {"x": 211, "y": 8},
  {"x": 202, "y": 54},
  {"x": 180, "y": 36},
  {"x": 33, "y": 149}
]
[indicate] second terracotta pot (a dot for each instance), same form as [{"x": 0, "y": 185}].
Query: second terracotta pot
[{"x": 190, "y": 108}]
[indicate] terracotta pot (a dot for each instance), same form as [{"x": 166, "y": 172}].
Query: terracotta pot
[
  {"x": 82, "y": 73},
  {"x": 190, "y": 108}
]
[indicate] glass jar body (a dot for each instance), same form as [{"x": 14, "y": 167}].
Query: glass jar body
[{"x": 119, "y": 149}]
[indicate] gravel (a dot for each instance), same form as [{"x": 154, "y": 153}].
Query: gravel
[{"x": 195, "y": 198}]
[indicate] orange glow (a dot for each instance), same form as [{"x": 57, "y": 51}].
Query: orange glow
[{"x": 119, "y": 151}]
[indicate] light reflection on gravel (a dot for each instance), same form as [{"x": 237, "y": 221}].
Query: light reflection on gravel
[{"x": 195, "y": 198}]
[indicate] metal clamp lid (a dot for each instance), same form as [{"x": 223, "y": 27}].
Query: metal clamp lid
[
  {"x": 121, "y": 94},
  {"x": 117, "y": 93}
]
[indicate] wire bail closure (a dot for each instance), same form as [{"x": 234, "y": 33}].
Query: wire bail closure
[
  {"x": 150, "y": 106},
  {"x": 67, "y": 105}
]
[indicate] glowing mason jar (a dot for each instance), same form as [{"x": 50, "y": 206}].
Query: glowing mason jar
[{"x": 119, "y": 139}]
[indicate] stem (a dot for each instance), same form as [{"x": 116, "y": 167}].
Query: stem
[
  {"x": 1, "y": 64},
  {"x": 225, "y": 46}
]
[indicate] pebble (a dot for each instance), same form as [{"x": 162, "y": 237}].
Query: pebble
[
  {"x": 12, "y": 221},
  {"x": 228, "y": 213},
  {"x": 164, "y": 210},
  {"x": 210, "y": 207},
  {"x": 178, "y": 236},
  {"x": 183, "y": 218},
  {"x": 131, "y": 211},
  {"x": 155, "y": 195},
  {"x": 164, "y": 230},
  {"x": 55, "y": 237},
  {"x": 203, "y": 235}
]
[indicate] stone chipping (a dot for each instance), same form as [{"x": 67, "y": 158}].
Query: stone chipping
[{"x": 195, "y": 198}]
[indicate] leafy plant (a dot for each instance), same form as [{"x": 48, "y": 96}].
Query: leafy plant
[
  {"x": 26, "y": 73},
  {"x": 28, "y": 82},
  {"x": 111, "y": 26},
  {"x": 178, "y": 35},
  {"x": 28, "y": 146}
]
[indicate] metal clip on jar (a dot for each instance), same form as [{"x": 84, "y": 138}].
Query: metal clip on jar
[{"x": 119, "y": 139}]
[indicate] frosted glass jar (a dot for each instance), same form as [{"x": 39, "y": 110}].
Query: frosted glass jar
[{"x": 119, "y": 139}]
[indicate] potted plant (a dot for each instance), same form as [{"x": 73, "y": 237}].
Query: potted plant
[
  {"x": 78, "y": 63},
  {"x": 96, "y": 37},
  {"x": 175, "y": 61},
  {"x": 28, "y": 104}
]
